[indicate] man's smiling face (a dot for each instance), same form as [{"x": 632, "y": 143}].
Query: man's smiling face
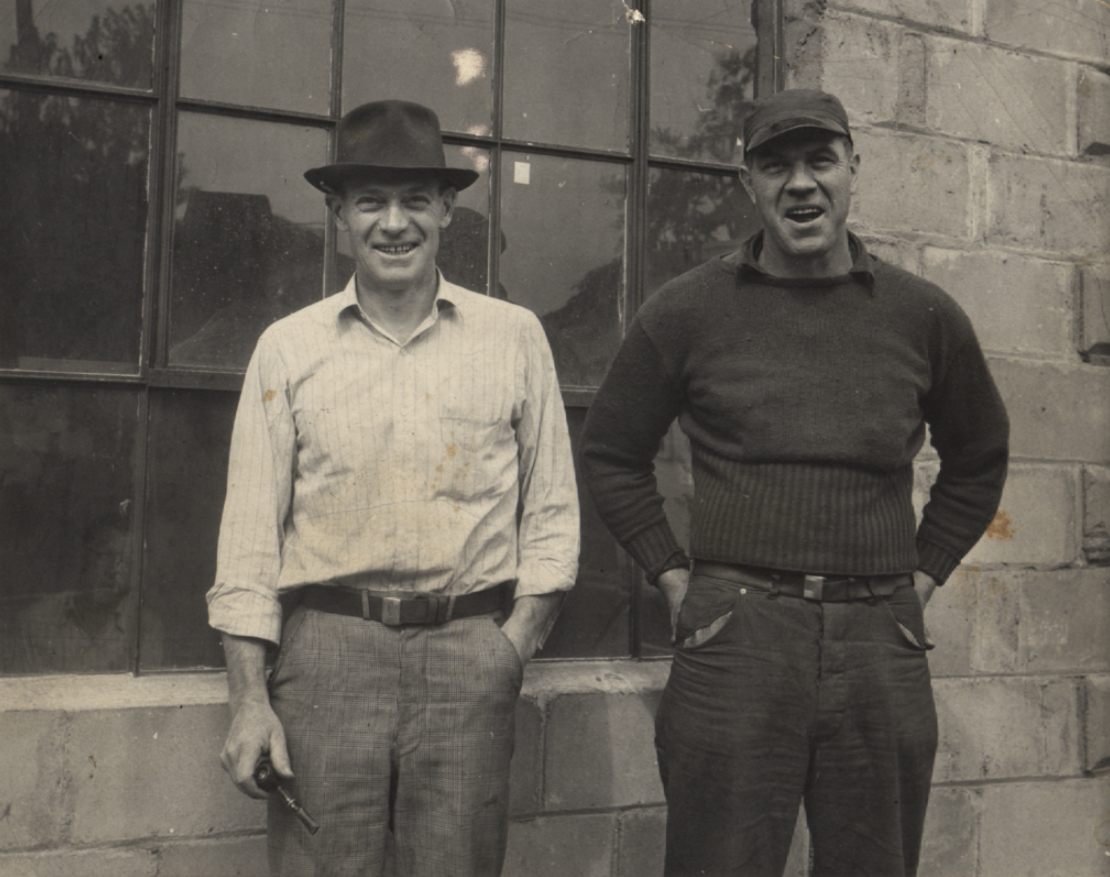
[
  {"x": 802, "y": 183},
  {"x": 393, "y": 223}
]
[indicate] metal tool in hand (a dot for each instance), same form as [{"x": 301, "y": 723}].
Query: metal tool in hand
[{"x": 267, "y": 779}]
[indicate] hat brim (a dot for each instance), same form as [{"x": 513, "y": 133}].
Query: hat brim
[
  {"x": 329, "y": 178},
  {"x": 775, "y": 130}
]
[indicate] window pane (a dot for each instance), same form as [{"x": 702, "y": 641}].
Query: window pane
[
  {"x": 564, "y": 255},
  {"x": 692, "y": 218},
  {"x": 435, "y": 52},
  {"x": 73, "y": 216},
  {"x": 702, "y": 76},
  {"x": 80, "y": 39},
  {"x": 248, "y": 241},
  {"x": 276, "y": 54},
  {"x": 190, "y": 433},
  {"x": 67, "y": 458},
  {"x": 594, "y": 621},
  {"x": 567, "y": 72}
]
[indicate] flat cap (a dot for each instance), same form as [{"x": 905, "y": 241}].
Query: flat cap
[{"x": 790, "y": 110}]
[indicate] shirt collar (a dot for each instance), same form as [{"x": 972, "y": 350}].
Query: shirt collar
[
  {"x": 748, "y": 258},
  {"x": 448, "y": 298}
]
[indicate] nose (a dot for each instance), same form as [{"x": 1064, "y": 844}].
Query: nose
[
  {"x": 800, "y": 180},
  {"x": 395, "y": 218}
]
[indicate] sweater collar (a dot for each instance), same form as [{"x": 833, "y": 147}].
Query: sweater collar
[{"x": 747, "y": 257}]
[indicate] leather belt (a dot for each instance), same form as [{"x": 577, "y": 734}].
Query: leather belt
[
  {"x": 822, "y": 589},
  {"x": 395, "y": 611}
]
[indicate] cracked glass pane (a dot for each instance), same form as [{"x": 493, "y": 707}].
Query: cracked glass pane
[
  {"x": 266, "y": 53},
  {"x": 567, "y": 72},
  {"x": 702, "y": 77},
  {"x": 435, "y": 52}
]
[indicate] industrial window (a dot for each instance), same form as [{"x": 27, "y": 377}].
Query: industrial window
[{"x": 153, "y": 220}]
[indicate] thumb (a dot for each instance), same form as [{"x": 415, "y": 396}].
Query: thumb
[{"x": 279, "y": 755}]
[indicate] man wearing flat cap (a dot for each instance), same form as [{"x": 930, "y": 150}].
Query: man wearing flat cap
[
  {"x": 804, "y": 372},
  {"x": 401, "y": 520}
]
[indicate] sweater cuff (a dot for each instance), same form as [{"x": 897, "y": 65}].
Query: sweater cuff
[
  {"x": 656, "y": 550},
  {"x": 934, "y": 560},
  {"x": 678, "y": 560}
]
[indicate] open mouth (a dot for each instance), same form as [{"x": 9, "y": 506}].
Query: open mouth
[
  {"x": 395, "y": 249},
  {"x": 802, "y": 215}
]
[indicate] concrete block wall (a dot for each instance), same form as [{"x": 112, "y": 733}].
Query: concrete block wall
[{"x": 984, "y": 133}]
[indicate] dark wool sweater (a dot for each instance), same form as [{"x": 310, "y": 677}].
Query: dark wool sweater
[{"x": 805, "y": 402}]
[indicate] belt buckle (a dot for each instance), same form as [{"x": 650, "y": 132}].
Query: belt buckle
[
  {"x": 814, "y": 588},
  {"x": 391, "y": 611}
]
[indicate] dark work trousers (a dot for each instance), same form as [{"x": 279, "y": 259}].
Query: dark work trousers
[
  {"x": 402, "y": 731},
  {"x": 776, "y": 699}
]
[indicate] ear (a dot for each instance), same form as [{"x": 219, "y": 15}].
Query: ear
[
  {"x": 855, "y": 172},
  {"x": 448, "y": 195},
  {"x": 746, "y": 179},
  {"x": 335, "y": 207}
]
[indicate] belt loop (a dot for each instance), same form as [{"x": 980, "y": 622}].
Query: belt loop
[
  {"x": 873, "y": 600},
  {"x": 365, "y": 604},
  {"x": 450, "y": 609},
  {"x": 773, "y": 591}
]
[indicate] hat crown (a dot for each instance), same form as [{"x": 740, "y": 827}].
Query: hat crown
[
  {"x": 790, "y": 110},
  {"x": 390, "y": 134}
]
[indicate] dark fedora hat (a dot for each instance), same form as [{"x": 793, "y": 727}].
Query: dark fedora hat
[{"x": 388, "y": 135}]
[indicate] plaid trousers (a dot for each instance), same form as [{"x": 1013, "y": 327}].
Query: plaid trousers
[{"x": 400, "y": 737}]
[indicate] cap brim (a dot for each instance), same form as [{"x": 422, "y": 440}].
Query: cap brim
[
  {"x": 795, "y": 124},
  {"x": 330, "y": 177}
]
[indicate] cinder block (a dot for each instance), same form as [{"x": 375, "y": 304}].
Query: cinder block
[
  {"x": 1093, "y": 112},
  {"x": 951, "y": 833},
  {"x": 1016, "y": 303},
  {"x": 1047, "y": 204},
  {"x": 1036, "y": 522},
  {"x": 1047, "y": 621},
  {"x": 953, "y": 14},
  {"x": 557, "y": 846},
  {"x": 861, "y": 66},
  {"x": 86, "y": 863},
  {"x": 526, "y": 772},
  {"x": 31, "y": 779},
  {"x": 1007, "y": 728},
  {"x": 996, "y": 96},
  {"x": 1050, "y": 829},
  {"x": 1057, "y": 412},
  {"x": 1096, "y": 514},
  {"x": 1094, "y": 284},
  {"x": 894, "y": 250},
  {"x": 600, "y": 751},
  {"x": 1075, "y": 29},
  {"x": 642, "y": 843},
  {"x": 900, "y": 169},
  {"x": 230, "y": 857},
  {"x": 153, "y": 773},
  {"x": 1097, "y": 727},
  {"x": 950, "y": 619}
]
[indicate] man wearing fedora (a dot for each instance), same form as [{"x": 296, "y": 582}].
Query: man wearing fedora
[
  {"x": 804, "y": 372},
  {"x": 401, "y": 518}
]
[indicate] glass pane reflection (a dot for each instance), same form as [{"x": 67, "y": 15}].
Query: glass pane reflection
[
  {"x": 692, "y": 218},
  {"x": 594, "y": 621},
  {"x": 190, "y": 433},
  {"x": 66, "y": 507},
  {"x": 436, "y": 52},
  {"x": 80, "y": 39},
  {"x": 248, "y": 237},
  {"x": 564, "y": 255},
  {"x": 567, "y": 69},
  {"x": 73, "y": 216},
  {"x": 273, "y": 55},
  {"x": 702, "y": 76}
]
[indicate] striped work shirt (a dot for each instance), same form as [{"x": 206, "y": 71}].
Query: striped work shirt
[{"x": 442, "y": 464}]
